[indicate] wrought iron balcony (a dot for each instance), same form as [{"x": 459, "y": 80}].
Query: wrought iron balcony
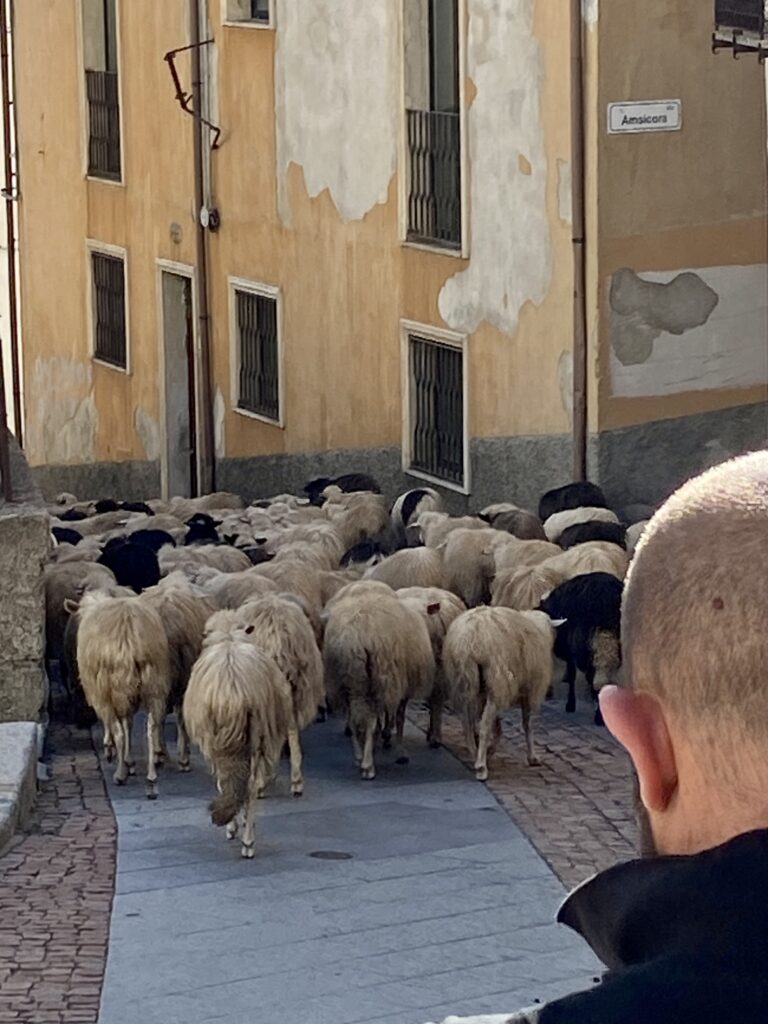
[
  {"x": 103, "y": 124},
  {"x": 434, "y": 178}
]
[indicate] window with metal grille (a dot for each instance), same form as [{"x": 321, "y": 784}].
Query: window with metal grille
[
  {"x": 102, "y": 88},
  {"x": 258, "y": 358},
  {"x": 436, "y": 373},
  {"x": 743, "y": 15},
  {"x": 109, "y": 334},
  {"x": 433, "y": 124},
  {"x": 249, "y": 10}
]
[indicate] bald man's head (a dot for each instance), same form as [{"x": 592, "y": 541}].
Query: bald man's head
[{"x": 695, "y": 617}]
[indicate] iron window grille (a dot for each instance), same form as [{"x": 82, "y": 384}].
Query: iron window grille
[
  {"x": 259, "y": 10},
  {"x": 103, "y": 124},
  {"x": 437, "y": 409},
  {"x": 434, "y": 179},
  {"x": 109, "y": 332},
  {"x": 249, "y": 11},
  {"x": 258, "y": 375}
]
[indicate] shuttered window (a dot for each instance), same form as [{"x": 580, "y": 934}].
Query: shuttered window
[
  {"x": 436, "y": 377},
  {"x": 108, "y": 287},
  {"x": 258, "y": 389}
]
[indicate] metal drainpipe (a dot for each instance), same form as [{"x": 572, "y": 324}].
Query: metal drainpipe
[
  {"x": 10, "y": 192},
  {"x": 207, "y": 479},
  {"x": 578, "y": 171}
]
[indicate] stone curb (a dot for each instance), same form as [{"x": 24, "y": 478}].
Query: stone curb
[{"x": 18, "y": 776}]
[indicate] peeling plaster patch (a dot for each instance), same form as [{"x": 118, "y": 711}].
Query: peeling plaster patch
[
  {"x": 219, "y": 436},
  {"x": 336, "y": 93},
  {"x": 590, "y": 12},
  {"x": 565, "y": 378},
  {"x": 643, "y": 310},
  {"x": 149, "y": 432},
  {"x": 565, "y": 191},
  {"x": 63, "y": 429},
  {"x": 510, "y": 256},
  {"x": 653, "y": 353},
  {"x": 524, "y": 164}
]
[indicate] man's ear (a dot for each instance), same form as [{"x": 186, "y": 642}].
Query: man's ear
[{"x": 638, "y": 723}]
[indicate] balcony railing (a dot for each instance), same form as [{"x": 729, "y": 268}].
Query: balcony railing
[
  {"x": 103, "y": 124},
  {"x": 434, "y": 178}
]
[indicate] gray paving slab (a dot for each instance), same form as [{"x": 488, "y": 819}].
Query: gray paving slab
[{"x": 443, "y": 906}]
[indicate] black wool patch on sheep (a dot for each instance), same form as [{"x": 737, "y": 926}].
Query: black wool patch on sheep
[
  {"x": 581, "y": 533},
  {"x": 64, "y": 535},
  {"x": 152, "y": 539},
  {"x": 133, "y": 565},
  {"x": 577, "y": 495}
]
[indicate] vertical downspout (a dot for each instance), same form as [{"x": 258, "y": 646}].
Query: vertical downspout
[
  {"x": 206, "y": 445},
  {"x": 578, "y": 170},
  {"x": 10, "y": 192}
]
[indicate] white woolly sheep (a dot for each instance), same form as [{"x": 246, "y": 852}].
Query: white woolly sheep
[
  {"x": 237, "y": 709},
  {"x": 560, "y": 521},
  {"x": 88, "y": 550},
  {"x": 495, "y": 659},
  {"x": 411, "y": 567},
  {"x": 312, "y": 555},
  {"x": 515, "y": 553},
  {"x": 357, "y": 516},
  {"x": 377, "y": 655},
  {"x": 280, "y": 629},
  {"x": 593, "y": 556},
  {"x": 218, "y": 501},
  {"x": 408, "y": 507},
  {"x": 67, "y": 581},
  {"x": 123, "y": 658},
  {"x": 233, "y": 589},
  {"x": 217, "y": 556},
  {"x": 183, "y": 616},
  {"x": 438, "y": 608},
  {"x": 332, "y": 582},
  {"x": 468, "y": 561},
  {"x": 433, "y": 528},
  {"x": 523, "y": 589}
]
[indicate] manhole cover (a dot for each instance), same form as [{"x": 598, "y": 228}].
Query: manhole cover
[{"x": 330, "y": 855}]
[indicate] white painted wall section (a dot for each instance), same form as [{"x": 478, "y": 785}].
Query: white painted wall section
[
  {"x": 337, "y": 99},
  {"x": 64, "y": 428},
  {"x": 728, "y": 351},
  {"x": 510, "y": 252}
]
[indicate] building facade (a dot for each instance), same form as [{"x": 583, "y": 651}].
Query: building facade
[{"x": 385, "y": 277}]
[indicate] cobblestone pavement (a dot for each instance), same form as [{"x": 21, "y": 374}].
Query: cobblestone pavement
[
  {"x": 56, "y": 887},
  {"x": 576, "y": 808}
]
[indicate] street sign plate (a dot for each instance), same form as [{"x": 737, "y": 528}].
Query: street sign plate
[{"x": 645, "y": 116}]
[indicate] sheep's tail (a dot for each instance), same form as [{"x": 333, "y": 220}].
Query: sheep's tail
[{"x": 233, "y": 767}]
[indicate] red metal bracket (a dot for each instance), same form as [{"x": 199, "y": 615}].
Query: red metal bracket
[{"x": 184, "y": 98}]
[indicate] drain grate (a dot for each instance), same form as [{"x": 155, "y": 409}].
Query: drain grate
[{"x": 330, "y": 855}]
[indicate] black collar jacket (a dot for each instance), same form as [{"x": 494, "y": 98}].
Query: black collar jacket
[{"x": 685, "y": 940}]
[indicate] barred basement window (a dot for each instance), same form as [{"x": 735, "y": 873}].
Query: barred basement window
[
  {"x": 109, "y": 333},
  {"x": 258, "y": 377},
  {"x": 257, "y": 11},
  {"x": 436, "y": 399}
]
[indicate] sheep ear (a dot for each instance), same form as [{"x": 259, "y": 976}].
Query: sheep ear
[
  {"x": 70, "y": 605},
  {"x": 433, "y": 609},
  {"x": 557, "y": 623}
]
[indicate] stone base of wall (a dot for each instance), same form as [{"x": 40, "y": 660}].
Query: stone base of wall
[
  {"x": 123, "y": 481},
  {"x": 638, "y": 465},
  {"x": 25, "y": 542}
]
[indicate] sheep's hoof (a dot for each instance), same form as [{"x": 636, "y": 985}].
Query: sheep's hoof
[
  {"x": 534, "y": 762},
  {"x": 248, "y": 850},
  {"x": 347, "y": 731},
  {"x": 367, "y": 774},
  {"x": 232, "y": 830},
  {"x": 185, "y": 766},
  {"x": 119, "y": 781},
  {"x": 403, "y": 759},
  {"x": 151, "y": 791},
  {"x": 435, "y": 744},
  {"x": 322, "y": 715},
  {"x": 481, "y": 774},
  {"x": 261, "y": 794},
  {"x": 109, "y": 753},
  {"x": 297, "y": 789},
  {"x": 570, "y": 707},
  {"x": 132, "y": 768}
]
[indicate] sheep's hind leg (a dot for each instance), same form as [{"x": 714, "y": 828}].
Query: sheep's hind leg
[
  {"x": 151, "y": 757},
  {"x": 367, "y": 767},
  {"x": 119, "y": 730},
  {"x": 435, "y": 734},
  {"x": 109, "y": 743},
  {"x": 248, "y": 841},
  {"x": 486, "y": 728},
  {"x": 182, "y": 742},
  {"x": 590, "y": 674},
  {"x": 525, "y": 708},
  {"x": 297, "y": 779},
  {"x": 570, "y": 678},
  {"x": 402, "y": 757},
  {"x": 129, "y": 759}
]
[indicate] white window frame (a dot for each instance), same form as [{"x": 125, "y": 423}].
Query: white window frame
[
  {"x": 268, "y": 291},
  {"x": 440, "y": 250},
  {"x": 190, "y": 272},
  {"x": 107, "y": 249},
  {"x": 443, "y": 337},
  {"x": 228, "y": 22},
  {"x": 84, "y": 111}
]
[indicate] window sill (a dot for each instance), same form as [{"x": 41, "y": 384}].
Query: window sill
[
  {"x": 111, "y": 366},
  {"x": 114, "y": 182},
  {"x": 437, "y": 250},
  {"x": 264, "y": 25},
  {"x": 447, "y": 484},
  {"x": 279, "y": 424}
]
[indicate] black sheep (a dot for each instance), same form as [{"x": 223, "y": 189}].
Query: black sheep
[
  {"x": 591, "y": 607},
  {"x": 202, "y": 529},
  {"x": 106, "y": 505},
  {"x": 133, "y": 565},
  {"x": 72, "y": 515},
  {"x": 578, "y": 495},
  {"x": 63, "y": 535},
  {"x": 581, "y": 533},
  {"x": 136, "y": 506},
  {"x": 362, "y": 553},
  {"x": 152, "y": 539}
]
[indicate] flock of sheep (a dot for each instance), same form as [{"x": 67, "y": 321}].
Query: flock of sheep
[{"x": 250, "y": 622}]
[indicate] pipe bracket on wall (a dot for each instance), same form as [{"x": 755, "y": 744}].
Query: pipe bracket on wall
[{"x": 184, "y": 98}]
